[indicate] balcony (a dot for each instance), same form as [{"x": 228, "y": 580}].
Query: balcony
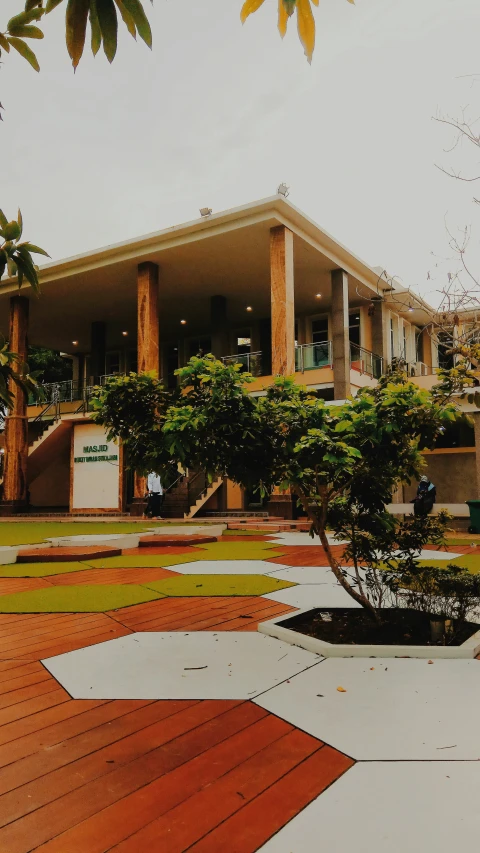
[
  {"x": 311, "y": 356},
  {"x": 251, "y": 362},
  {"x": 365, "y": 361}
]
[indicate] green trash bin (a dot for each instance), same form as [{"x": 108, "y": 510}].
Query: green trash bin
[{"x": 474, "y": 507}]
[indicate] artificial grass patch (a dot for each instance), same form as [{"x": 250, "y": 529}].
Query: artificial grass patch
[
  {"x": 31, "y": 532},
  {"x": 224, "y": 585},
  {"x": 471, "y": 562},
  {"x": 40, "y": 570},
  {"x": 213, "y": 551},
  {"x": 77, "y": 599}
]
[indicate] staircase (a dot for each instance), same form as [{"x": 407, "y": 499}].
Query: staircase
[
  {"x": 43, "y": 449},
  {"x": 189, "y": 495},
  {"x": 204, "y": 497}
]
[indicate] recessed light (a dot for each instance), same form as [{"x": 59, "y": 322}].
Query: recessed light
[
  {"x": 183, "y": 322},
  {"x": 75, "y": 343},
  {"x": 124, "y": 334},
  {"x": 249, "y": 308},
  {"x": 318, "y": 296}
]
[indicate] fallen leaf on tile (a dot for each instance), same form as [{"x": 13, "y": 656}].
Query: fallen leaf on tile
[{"x": 341, "y": 690}]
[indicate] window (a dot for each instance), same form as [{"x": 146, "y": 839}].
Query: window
[
  {"x": 112, "y": 363},
  {"x": 320, "y": 331},
  {"x": 132, "y": 361},
  {"x": 392, "y": 340},
  {"x": 244, "y": 342},
  {"x": 354, "y": 328},
  {"x": 404, "y": 353},
  {"x": 446, "y": 359}
]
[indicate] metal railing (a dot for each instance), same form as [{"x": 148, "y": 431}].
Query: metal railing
[
  {"x": 365, "y": 361},
  {"x": 251, "y": 362},
  {"x": 310, "y": 356}
]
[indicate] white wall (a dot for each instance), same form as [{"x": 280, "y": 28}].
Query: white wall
[{"x": 96, "y": 484}]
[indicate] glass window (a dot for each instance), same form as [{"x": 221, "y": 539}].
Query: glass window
[
  {"x": 244, "y": 342},
  {"x": 320, "y": 331},
  {"x": 112, "y": 363},
  {"x": 392, "y": 340},
  {"x": 199, "y": 346},
  {"x": 354, "y": 327},
  {"x": 404, "y": 354}
]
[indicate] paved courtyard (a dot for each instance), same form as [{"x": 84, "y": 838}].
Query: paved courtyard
[{"x": 140, "y": 709}]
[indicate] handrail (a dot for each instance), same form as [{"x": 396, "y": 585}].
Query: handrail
[
  {"x": 250, "y": 361},
  {"x": 369, "y": 362},
  {"x": 311, "y": 356}
]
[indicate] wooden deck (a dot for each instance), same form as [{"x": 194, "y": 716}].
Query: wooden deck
[{"x": 79, "y": 776}]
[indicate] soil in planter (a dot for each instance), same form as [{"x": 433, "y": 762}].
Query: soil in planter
[{"x": 354, "y": 627}]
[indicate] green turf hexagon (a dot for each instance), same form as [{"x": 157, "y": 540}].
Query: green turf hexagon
[
  {"x": 77, "y": 599},
  {"x": 40, "y": 570},
  {"x": 210, "y": 585},
  {"x": 213, "y": 551},
  {"x": 471, "y": 562}
]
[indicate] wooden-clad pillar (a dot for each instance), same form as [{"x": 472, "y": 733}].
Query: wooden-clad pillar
[
  {"x": 380, "y": 331},
  {"x": 16, "y": 423},
  {"x": 282, "y": 301},
  {"x": 148, "y": 344},
  {"x": 340, "y": 335}
]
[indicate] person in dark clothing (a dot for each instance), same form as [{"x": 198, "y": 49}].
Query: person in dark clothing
[{"x": 425, "y": 498}]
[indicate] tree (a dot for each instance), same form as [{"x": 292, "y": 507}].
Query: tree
[
  {"x": 13, "y": 371},
  {"x": 343, "y": 462}
]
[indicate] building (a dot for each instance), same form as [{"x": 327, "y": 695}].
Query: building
[{"x": 262, "y": 284}]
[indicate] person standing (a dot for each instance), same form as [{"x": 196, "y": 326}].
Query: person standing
[
  {"x": 425, "y": 498},
  {"x": 155, "y": 495}
]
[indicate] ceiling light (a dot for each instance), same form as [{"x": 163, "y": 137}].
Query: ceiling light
[
  {"x": 75, "y": 343},
  {"x": 183, "y": 322},
  {"x": 282, "y": 189},
  {"x": 249, "y": 308},
  {"x": 318, "y": 296},
  {"x": 124, "y": 334},
  {"x": 205, "y": 211},
  {"x": 410, "y": 307}
]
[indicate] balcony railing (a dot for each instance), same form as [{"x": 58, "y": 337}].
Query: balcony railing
[
  {"x": 365, "y": 361},
  {"x": 251, "y": 362},
  {"x": 310, "y": 356}
]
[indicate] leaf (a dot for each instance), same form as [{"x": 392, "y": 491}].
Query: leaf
[
  {"x": 107, "y": 18},
  {"x": 26, "y": 32},
  {"x": 248, "y": 8},
  {"x": 341, "y": 690},
  {"x": 4, "y": 43},
  {"x": 51, "y": 5},
  {"x": 135, "y": 8},
  {"x": 25, "y": 18},
  {"x": 25, "y": 268},
  {"x": 12, "y": 230},
  {"x": 24, "y": 50},
  {"x": 282, "y": 18},
  {"x": 306, "y": 27},
  {"x": 30, "y": 247},
  {"x": 76, "y": 27},
  {"x": 127, "y": 18},
  {"x": 96, "y": 31},
  {"x": 3, "y": 219},
  {"x": 20, "y": 222}
]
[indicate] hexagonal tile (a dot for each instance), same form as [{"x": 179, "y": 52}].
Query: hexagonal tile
[
  {"x": 188, "y": 585},
  {"x": 395, "y": 709},
  {"x": 77, "y": 599},
  {"x": 198, "y": 665}
]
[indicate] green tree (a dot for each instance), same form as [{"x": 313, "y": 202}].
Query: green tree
[{"x": 342, "y": 461}]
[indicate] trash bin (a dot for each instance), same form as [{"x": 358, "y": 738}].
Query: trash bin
[{"x": 474, "y": 507}]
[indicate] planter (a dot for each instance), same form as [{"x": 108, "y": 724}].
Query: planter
[{"x": 286, "y": 629}]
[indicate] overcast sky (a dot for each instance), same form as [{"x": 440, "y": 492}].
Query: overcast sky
[{"x": 219, "y": 114}]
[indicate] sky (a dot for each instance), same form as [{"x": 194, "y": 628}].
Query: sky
[{"x": 218, "y": 115}]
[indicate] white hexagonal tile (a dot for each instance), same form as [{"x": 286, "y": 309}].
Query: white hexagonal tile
[
  {"x": 395, "y": 709},
  {"x": 304, "y": 574},
  {"x": 421, "y": 807},
  {"x": 177, "y": 665},
  {"x": 303, "y": 540},
  {"x": 225, "y": 567},
  {"x": 307, "y": 596}
]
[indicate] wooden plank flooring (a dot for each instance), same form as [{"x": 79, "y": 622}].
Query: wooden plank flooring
[{"x": 92, "y": 776}]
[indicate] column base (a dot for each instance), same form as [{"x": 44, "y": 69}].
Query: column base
[
  {"x": 138, "y": 507},
  {"x": 13, "y": 507}
]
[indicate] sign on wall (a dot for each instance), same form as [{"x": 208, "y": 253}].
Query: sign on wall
[{"x": 96, "y": 485}]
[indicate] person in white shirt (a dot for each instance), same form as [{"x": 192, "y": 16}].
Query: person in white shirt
[{"x": 155, "y": 495}]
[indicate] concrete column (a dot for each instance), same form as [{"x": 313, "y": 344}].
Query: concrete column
[
  {"x": 380, "y": 332},
  {"x": 219, "y": 326},
  {"x": 282, "y": 301},
  {"x": 16, "y": 423},
  {"x": 98, "y": 340},
  {"x": 340, "y": 336},
  {"x": 148, "y": 347}
]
